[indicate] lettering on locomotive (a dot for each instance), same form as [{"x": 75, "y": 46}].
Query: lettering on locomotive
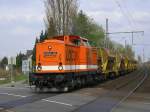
[{"x": 50, "y": 53}]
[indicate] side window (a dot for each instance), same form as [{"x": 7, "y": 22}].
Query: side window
[
  {"x": 76, "y": 42},
  {"x": 86, "y": 43}
]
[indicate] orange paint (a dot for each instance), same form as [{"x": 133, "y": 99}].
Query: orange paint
[{"x": 65, "y": 54}]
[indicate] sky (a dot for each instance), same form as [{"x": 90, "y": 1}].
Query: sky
[{"x": 21, "y": 21}]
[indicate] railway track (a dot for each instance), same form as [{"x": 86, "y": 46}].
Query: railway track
[
  {"x": 113, "y": 84},
  {"x": 130, "y": 93},
  {"x": 135, "y": 81},
  {"x": 110, "y": 100}
]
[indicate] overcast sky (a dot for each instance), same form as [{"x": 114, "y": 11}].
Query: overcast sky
[{"x": 22, "y": 20}]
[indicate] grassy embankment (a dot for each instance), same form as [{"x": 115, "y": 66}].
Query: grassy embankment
[{"x": 16, "y": 77}]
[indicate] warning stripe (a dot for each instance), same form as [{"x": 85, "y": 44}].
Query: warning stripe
[{"x": 69, "y": 67}]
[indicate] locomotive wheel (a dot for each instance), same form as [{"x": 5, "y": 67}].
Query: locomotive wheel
[
  {"x": 72, "y": 84},
  {"x": 36, "y": 89},
  {"x": 83, "y": 82},
  {"x": 121, "y": 73},
  {"x": 33, "y": 89},
  {"x": 112, "y": 75},
  {"x": 78, "y": 83},
  {"x": 41, "y": 89},
  {"x": 66, "y": 89},
  {"x": 105, "y": 77}
]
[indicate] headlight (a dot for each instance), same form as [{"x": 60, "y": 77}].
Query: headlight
[
  {"x": 49, "y": 47},
  {"x": 39, "y": 67}
]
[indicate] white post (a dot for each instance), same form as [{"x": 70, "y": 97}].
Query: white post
[
  {"x": 106, "y": 35},
  {"x": 12, "y": 78}
]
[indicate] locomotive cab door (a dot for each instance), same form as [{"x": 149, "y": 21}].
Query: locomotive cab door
[{"x": 72, "y": 51}]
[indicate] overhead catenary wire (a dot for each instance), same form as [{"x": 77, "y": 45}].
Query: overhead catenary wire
[
  {"x": 129, "y": 13},
  {"x": 124, "y": 13},
  {"x": 130, "y": 19}
]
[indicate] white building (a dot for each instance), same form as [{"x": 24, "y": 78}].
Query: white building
[{"x": 27, "y": 62}]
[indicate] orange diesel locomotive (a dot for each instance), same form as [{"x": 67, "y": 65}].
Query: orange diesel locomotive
[{"x": 64, "y": 62}]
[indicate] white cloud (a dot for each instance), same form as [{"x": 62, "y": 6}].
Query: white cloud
[
  {"x": 20, "y": 23},
  {"x": 142, "y": 16},
  {"x": 26, "y": 16},
  {"x": 102, "y": 15}
]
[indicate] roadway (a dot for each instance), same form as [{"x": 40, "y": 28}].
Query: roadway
[{"x": 120, "y": 95}]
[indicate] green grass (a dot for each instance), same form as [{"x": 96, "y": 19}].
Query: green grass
[
  {"x": 16, "y": 78},
  {"x": 21, "y": 77},
  {"x": 4, "y": 82}
]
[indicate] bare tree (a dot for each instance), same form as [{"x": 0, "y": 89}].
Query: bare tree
[{"x": 59, "y": 16}]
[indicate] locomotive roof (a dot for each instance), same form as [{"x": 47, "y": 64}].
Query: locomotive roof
[
  {"x": 71, "y": 36},
  {"x": 62, "y": 39}
]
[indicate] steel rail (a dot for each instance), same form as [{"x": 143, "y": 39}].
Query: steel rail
[
  {"x": 130, "y": 93},
  {"x": 107, "y": 94}
]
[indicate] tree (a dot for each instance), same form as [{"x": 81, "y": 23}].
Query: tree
[
  {"x": 116, "y": 47},
  {"x": 129, "y": 52},
  {"x": 63, "y": 18},
  {"x": 51, "y": 28},
  {"x": 34, "y": 52},
  {"x": 42, "y": 37},
  {"x": 86, "y": 27},
  {"x": 139, "y": 59},
  {"x": 81, "y": 25},
  {"x": 19, "y": 59},
  {"x": 59, "y": 16},
  {"x": 4, "y": 62}
]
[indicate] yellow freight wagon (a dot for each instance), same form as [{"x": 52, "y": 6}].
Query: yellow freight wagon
[{"x": 106, "y": 63}]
